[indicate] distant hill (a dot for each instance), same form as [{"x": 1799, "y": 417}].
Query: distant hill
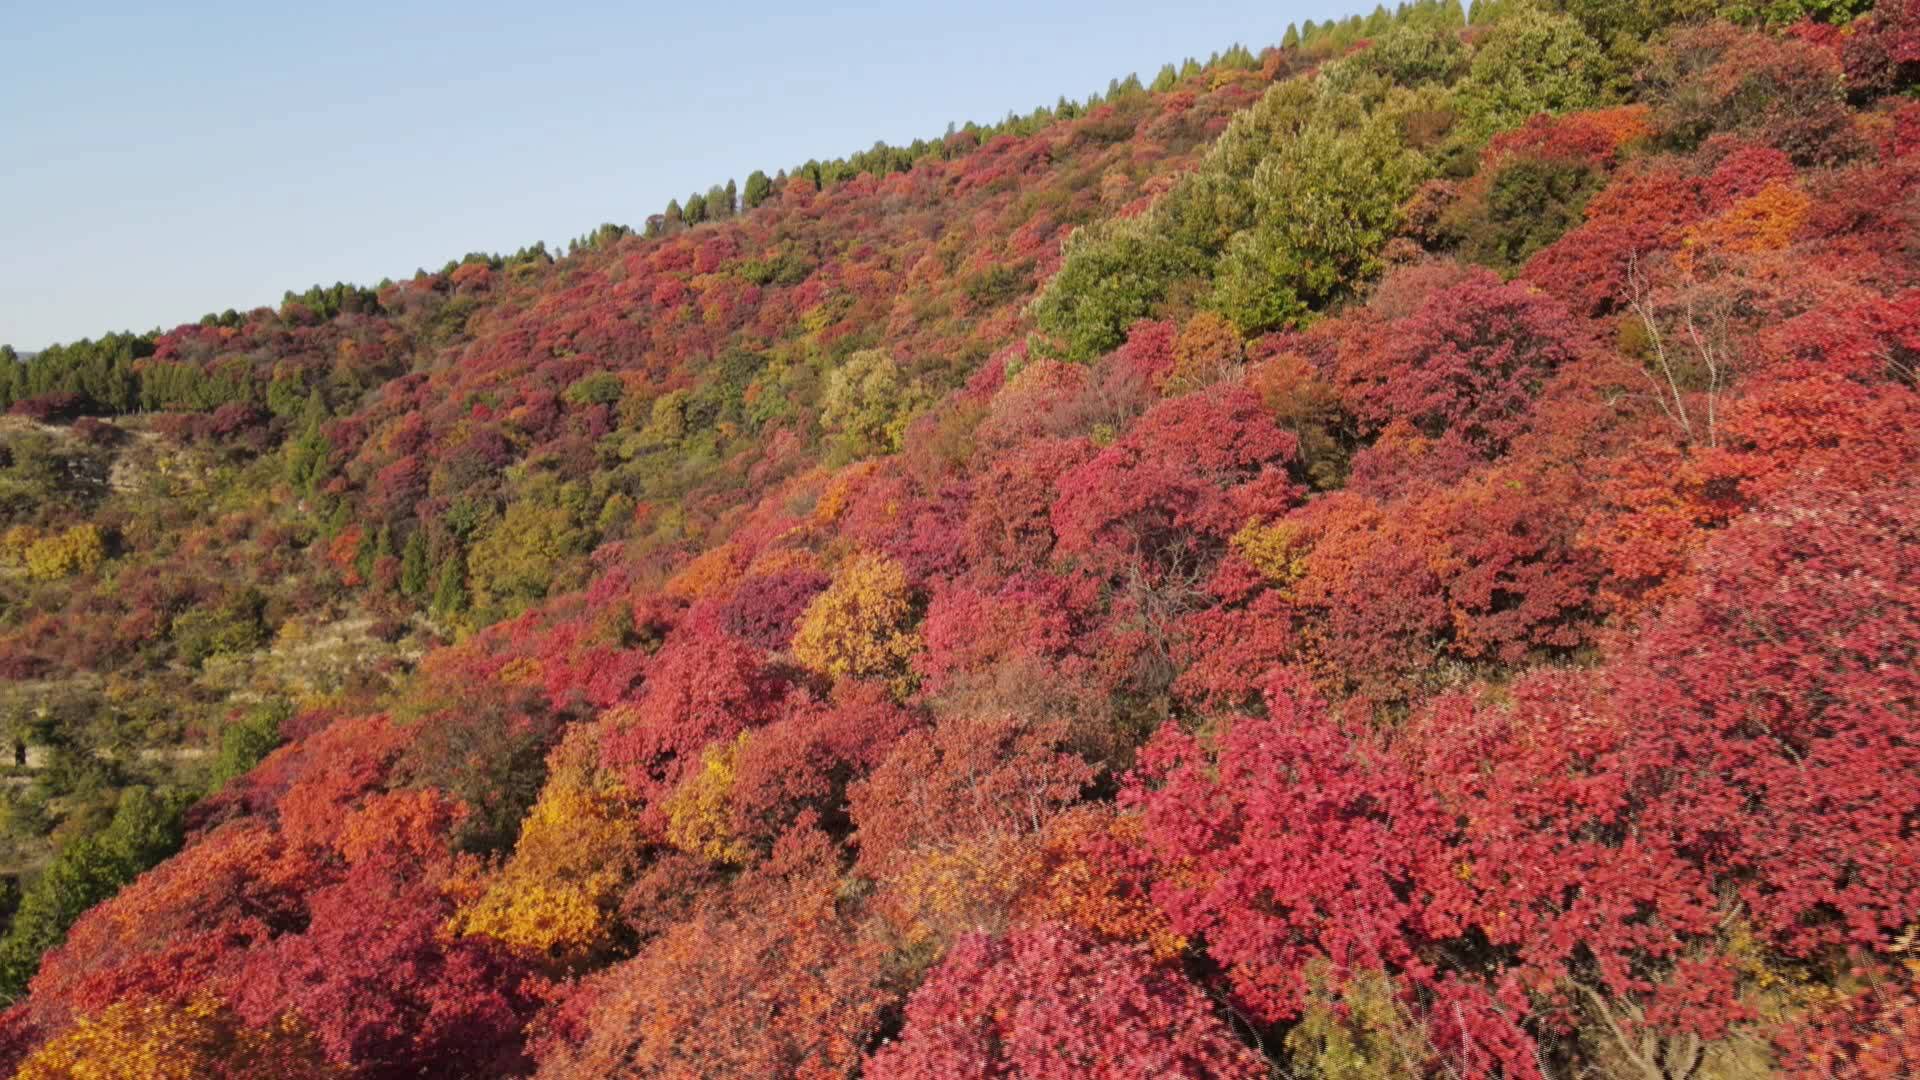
[{"x": 1389, "y": 555}]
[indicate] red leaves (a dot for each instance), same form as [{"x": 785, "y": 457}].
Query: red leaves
[
  {"x": 1785, "y": 694},
  {"x": 384, "y": 991},
  {"x": 1544, "y": 860},
  {"x": 970, "y": 778},
  {"x": 1470, "y": 359},
  {"x": 804, "y": 761},
  {"x": 1756, "y": 743},
  {"x": 1294, "y": 842},
  {"x": 1030, "y": 615},
  {"x": 1007, "y": 523},
  {"x": 1881, "y": 51},
  {"x": 776, "y": 983},
  {"x": 1592, "y": 137},
  {"x": 701, "y": 690},
  {"x": 1166, "y": 487},
  {"x": 1049, "y": 1004},
  {"x": 765, "y": 610}
]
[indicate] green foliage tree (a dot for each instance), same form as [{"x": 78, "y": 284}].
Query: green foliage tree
[
  {"x": 450, "y": 592},
  {"x": 1530, "y": 203},
  {"x": 1114, "y": 273},
  {"x": 99, "y": 372},
  {"x": 758, "y": 188},
  {"x": 309, "y": 456},
  {"x": 867, "y": 404},
  {"x": 1532, "y": 61},
  {"x": 1634, "y": 20},
  {"x": 1784, "y": 12},
  {"x": 1416, "y": 55},
  {"x": 146, "y": 828},
  {"x": 235, "y": 626},
  {"x": 415, "y": 573},
  {"x": 247, "y": 740},
  {"x": 517, "y": 559},
  {"x": 1325, "y": 204}
]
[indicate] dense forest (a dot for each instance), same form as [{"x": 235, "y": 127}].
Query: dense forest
[{"x": 1391, "y": 554}]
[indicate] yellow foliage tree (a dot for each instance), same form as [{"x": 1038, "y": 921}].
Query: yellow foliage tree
[
  {"x": 861, "y": 627},
  {"x": 159, "y": 1040},
  {"x": 1208, "y": 350},
  {"x": 516, "y": 559},
  {"x": 78, "y": 550},
  {"x": 1081, "y": 890},
  {"x": 1761, "y": 223},
  {"x": 708, "y": 573},
  {"x": 1278, "y": 550},
  {"x": 697, "y": 811},
  {"x": 555, "y": 895},
  {"x": 941, "y": 891},
  {"x": 14, "y": 543}
]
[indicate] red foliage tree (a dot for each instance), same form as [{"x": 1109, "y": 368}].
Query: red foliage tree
[
  {"x": 702, "y": 689},
  {"x": 1293, "y": 843},
  {"x": 1051, "y": 1004},
  {"x": 1472, "y": 358},
  {"x": 385, "y": 992},
  {"x": 1165, "y": 488},
  {"x": 777, "y": 982},
  {"x": 1007, "y": 522},
  {"x": 1784, "y": 692}
]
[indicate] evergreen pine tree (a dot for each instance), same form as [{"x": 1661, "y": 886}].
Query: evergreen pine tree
[
  {"x": 413, "y": 566},
  {"x": 758, "y": 188},
  {"x": 450, "y": 596}
]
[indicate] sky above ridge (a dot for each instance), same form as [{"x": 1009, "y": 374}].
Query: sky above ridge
[{"x": 162, "y": 161}]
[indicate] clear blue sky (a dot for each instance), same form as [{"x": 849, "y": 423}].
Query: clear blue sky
[{"x": 161, "y": 163}]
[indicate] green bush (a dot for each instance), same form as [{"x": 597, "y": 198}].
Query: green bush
[
  {"x": 234, "y": 627},
  {"x": 247, "y": 741},
  {"x": 1532, "y": 62},
  {"x": 1325, "y": 205},
  {"x": 146, "y": 828},
  {"x": 1529, "y": 204},
  {"x": 1113, "y": 274}
]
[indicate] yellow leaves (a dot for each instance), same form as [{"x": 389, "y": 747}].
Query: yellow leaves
[
  {"x": 708, "y": 573},
  {"x": 1762, "y": 223},
  {"x": 1208, "y": 350},
  {"x": 49, "y": 556},
  {"x": 861, "y": 627},
  {"x": 992, "y": 881},
  {"x": 520, "y": 671},
  {"x": 1358, "y": 1028},
  {"x": 1081, "y": 892},
  {"x": 1278, "y": 551},
  {"x": 555, "y": 895},
  {"x": 156, "y": 1040},
  {"x": 14, "y": 543},
  {"x": 947, "y": 890},
  {"x": 697, "y": 811},
  {"x": 782, "y": 560}
]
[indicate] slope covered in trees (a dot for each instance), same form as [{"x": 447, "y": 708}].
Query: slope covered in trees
[{"x": 1394, "y": 556}]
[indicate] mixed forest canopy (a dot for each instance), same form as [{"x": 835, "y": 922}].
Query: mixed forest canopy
[{"x": 1393, "y": 553}]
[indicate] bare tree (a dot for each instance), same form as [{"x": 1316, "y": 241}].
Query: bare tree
[{"x": 1705, "y": 333}]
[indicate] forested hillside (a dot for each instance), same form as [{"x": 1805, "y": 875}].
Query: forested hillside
[{"x": 1392, "y": 554}]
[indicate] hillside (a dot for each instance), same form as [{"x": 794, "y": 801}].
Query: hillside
[{"x": 1394, "y": 555}]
